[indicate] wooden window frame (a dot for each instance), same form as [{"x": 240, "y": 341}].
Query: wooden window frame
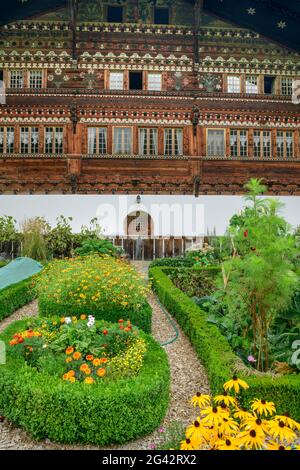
[
  {"x": 173, "y": 129},
  {"x": 285, "y": 155},
  {"x": 97, "y": 140},
  {"x": 149, "y": 152},
  {"x": 5, "y": 129},
  {"x": 30, "y": 151},
  {"x": 239, "y": 147},
  {"x": 262, "y": 148},
  {"x": 113, "y": 140},
  {"x": 54, "y": 129},
  {"x": 216, "y": 129}
]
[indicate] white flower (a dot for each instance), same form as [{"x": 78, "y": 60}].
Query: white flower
[
  {"x": 68, "y": 320},
  {"x": 45, "y": 346},
  {"x": 91, "y": 321}
]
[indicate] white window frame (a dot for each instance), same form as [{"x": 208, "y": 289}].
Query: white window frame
[
  {"x": 116, "y": 80},
  {"x": 154, "y": 81},
  {"x": 123, "y": 143},
  {"x": 233, "y": 84}
]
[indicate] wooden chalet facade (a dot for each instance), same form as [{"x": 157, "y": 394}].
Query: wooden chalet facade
[{"x": 112, "y": 102}]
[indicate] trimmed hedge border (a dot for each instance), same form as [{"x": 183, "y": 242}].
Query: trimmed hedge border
[
  {"x": 141, "y": 318},
  {"x": 100, "y": 414},
  {"x": 16, "y": 296},
  {"x": 176, "y": 262},
  {"x": 216, "y": 354}
]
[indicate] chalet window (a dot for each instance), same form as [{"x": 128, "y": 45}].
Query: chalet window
[
  {"x": 161, "y": 15},
  {"x": 29, "y": 139},
  {"x": 97, "y": 140},
  {"x": 148, "y": 142},
  {"x": 285, "y": 144},
  {"x": 251, "y": 84},
  {"x": 122, "y": 140},
  {"x": 233, "y": 84},
  {"x": 7, "y": 139},
  {"x": 239, "y": 143},
  {"x": 135, "y": 80},
  {"x": 269, "y": 85},
  {"x": 54, "y": 140},
  {"x": 116, "y": 81},
  {"x": 154, "y": 81},
  {"x": 114, "y": 14},
  {"x": 16, "y": 79},
  {"x": 35, "y": 79},
  {"x": 286, "y": 86},
  {"x": 173, "y": 142},
  {"x": 262, "y": 144},
  {"x": 215, "y": 142}
]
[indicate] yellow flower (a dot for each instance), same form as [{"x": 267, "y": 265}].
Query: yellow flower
[
  {"x": 101, "y": 372},
  {"x": 201, "y": 400},
  {"x": 278, "y": 429},
  {"x": 263, "y": 407},
  {"x": 256, "y": 423},
  {"x": 68, "y": 359},
  {"x": 251, "y": 439},
  {"x": 291, "y": 423},
  {"x": 82, "y": 317},
  {"x": 187, "y": 444},
  {"x": 235, "y": 383},
  {"x": 213, "y": 415},
  {"x": 96, "y": 362},
  {"x": 89, "y": 380},
  {"x": 72, "y": 379},
  {"x": 227, "y": 426},
  {"x": 275, "y": 446},
  {"x": 242, "y": 414},
  {"x": 69, "y": 350},
  {"x": 76, "y": 355},
  {"x": 62, "y": 320},
  {"x": 226, "y": 399},
  {"x": 228, "y": 444}
]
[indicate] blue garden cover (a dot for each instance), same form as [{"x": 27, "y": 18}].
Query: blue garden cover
[{"x": 18, "y": 270}]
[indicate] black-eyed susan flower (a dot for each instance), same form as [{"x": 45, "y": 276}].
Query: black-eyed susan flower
[
  {"x": 256, "y": 423},
  {"x": 278, "y": 429},
  {"x": 263, "y": 407},
  {"x": 277, "y": 446},
  {"x": 291, "y": 423},
  {"x": 226, "y": 399},
  {"x": 235, "y": 383},
  {"x": 187, "y": 444},
  {"x": 197, "y": 432},
  {"x": 213, "y": 415},
  {"x": 251, "y": 439},
  {"x": 242, "y": 414},
  {"x": 227, "y": 444},
  {"x": 227, "y": 426},
  {"x": 200, "y": 400}
]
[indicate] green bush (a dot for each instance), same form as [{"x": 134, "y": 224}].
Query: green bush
[
  {"x": 101, "y": 414},
  {"x": 16, "y": 296},
  {"x": 104, "y": 287},
  {"x": 216, "y": 354},
  {"x": 100, "y": 246},
  {"x": 176, "y": 262},
  {"x": 2, "y": 264}
]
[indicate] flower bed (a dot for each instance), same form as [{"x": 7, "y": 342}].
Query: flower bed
[
  {"x": 216, "y": 354},
  {"x": 16, "y": 296},
  {"x": 104, "y": 287},
  {"x": 81, "y": 380}
]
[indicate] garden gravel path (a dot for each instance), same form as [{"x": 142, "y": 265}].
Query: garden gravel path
[{"x": 188, "y": 377}]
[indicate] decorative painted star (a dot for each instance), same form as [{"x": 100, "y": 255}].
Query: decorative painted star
[
  {"x": 281, "y": 24},
  {"x": 251, "y": 11}
]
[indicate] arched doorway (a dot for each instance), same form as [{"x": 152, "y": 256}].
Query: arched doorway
[{"x": 139, "y": 230}]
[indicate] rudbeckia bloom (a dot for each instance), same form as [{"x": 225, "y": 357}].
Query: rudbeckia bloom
[
  {"x": 256, "y": 423},
  {"x": 242, "y": 414},
  {"x": 187, "y": 444},
  {"x": 213, "y": 415},
  {"x": 291, "y": 423},
  {"x": 201, "y": 400},
  {"x": 227, "y": 426},
  {"x": 197, "y": 432},
  {"x": 263, "y": 407},
  {"x": 251, "y": 439},
  {"x": 278, "y": 429},
  {"x": 227, "y": 444},
  {"x": 225, "y": 398},
  {"x": 235, "y": 383},
  {"x": 275, "y": 446}
]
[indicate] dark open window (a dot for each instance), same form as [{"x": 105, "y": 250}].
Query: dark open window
[
  {"x": 114, "y": 14},
  {"x": 269, "y": 85},
  {"x": 135, "y": 80},
  {"x": 1, "y": 75},
  {"x": 161, "y": 15}
]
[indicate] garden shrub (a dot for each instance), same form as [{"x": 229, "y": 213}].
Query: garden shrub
[
  {"x": 216, "y": 354},
  {"x": 102, "y": 413},
  {"x": 16, "y": 296},
  {"x": 104, "y": 287},
  {"x": 176, "y": 262}
]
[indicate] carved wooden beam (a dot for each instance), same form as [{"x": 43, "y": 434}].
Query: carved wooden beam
[
  {"x": 198, "y": 9},
  {"x": 73, "y": 24}
]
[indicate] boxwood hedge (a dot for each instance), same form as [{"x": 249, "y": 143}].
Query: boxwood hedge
[
  {"x": 16, "y": 296},
  {"x": 102, "y": 413},
  {"x": 216, "y": 354}
]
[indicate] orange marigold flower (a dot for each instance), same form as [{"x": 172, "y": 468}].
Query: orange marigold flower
[
  {"x": 87, "y": 371},
  {"x": 104, "y": 360},
  {"x": 83, "y": 367},
  {"x": 89, "y": 357},
  {"x": 96, "y": 362},
  {"x": 82, "y": 317},
  {"x": 69, "y": 359},
  {"x": 69, "y": 350},
  {"x": 76, "y": 355},
  {"x": 71, "y": 373},
  {"x": 89, "y": 380},
  {"x": 62, "y": 320},
  {"x": 127, "y": 329},
  {"x": 65, "y": 376},
  {"x": 101, "y": 372}
]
